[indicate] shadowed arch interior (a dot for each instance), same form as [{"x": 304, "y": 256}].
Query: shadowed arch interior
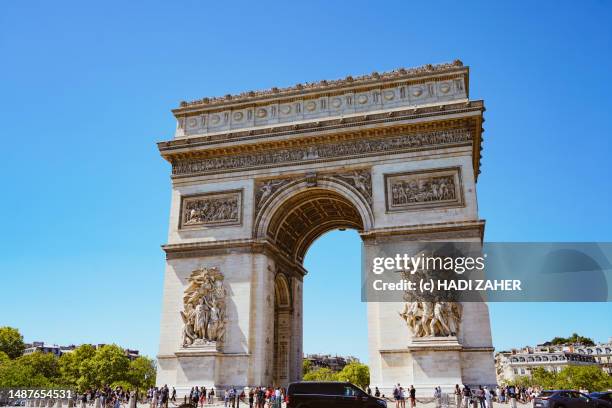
[
  {"x": 282, "y": 294},
  {"x": 304, "y": 217}
]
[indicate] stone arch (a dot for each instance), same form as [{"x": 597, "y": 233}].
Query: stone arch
[
  {"x": 299, "y": 212},
  {"x": 254, "y": 186}
]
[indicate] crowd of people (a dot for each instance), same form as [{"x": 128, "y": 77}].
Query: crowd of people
[
  {"x": 465, "y": 397},
  {"x": 106, "y": 397},
  {"x": 401, "y": 395},
  {"x": 269, "y": 397},
  {"x": 483, "y": 397},
  {"x": 159, "y": 397},
  {"x": 257, "y": 397}
]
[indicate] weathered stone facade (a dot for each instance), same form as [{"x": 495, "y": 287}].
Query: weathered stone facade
[{"x": 258, "y": 177}]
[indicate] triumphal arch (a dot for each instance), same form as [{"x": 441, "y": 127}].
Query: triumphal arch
[{"x": 257, "y": 177}]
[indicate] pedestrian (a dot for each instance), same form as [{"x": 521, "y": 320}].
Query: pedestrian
[
  {"x": 412, "y": 397},
  {"x": 512, "y": 396},
  {"x": 467, "y": 394},
  {"x": 376, "y": 392},
  {"x": 397, "y": 395},
  {"x": 481, "y": 396},
  {"x": 488, "y": 398},
  {"x": 438, "y": 397},
  {"x": 457, "y": 396}
]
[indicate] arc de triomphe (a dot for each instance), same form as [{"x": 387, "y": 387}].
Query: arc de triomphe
[{"x": 257, "y": 177}]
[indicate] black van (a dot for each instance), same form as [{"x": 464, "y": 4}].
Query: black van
[{"x": 330, "y": 395}]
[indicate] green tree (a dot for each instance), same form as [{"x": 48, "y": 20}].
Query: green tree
[
  {"x": 544, "y": 378},
  {"x": 43, "y": 364},
  {"x": 521, "y": 381},
  {"x": 590, "y": 378},
  {"x": 575, "y": 338},
  {"x": 74, "y": 370},
  {"x": 14, "y": 374},
  {"x": 306, "y": 366},
  {"x": 142, "y": 372},
  {"x": 321, "y": 374},
  {"x": 4, "y": 358},
  {"x": 109, "y": 364},
  {"x": 356, "y": 373},
  {"x": 11, "y": 342}
]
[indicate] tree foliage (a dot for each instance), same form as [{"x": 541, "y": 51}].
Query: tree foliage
[
  {"x": 142, "y": 372},
  {"x": 4, "y": 357},
  {"x": 44, "y": 364},
  {"x": 14, "y": 374},
  {"x": 83, "y": 368},
  {"x": 11, "y": 342},
  {"x": 356, "y": 373},
  {"x": 306, "y": 366},
  {"x": 591, "y": 378},
  {"x": 321, "y": 374},
  {"x": 575, "y": 338},
  {"x": 109, "y": 364}
]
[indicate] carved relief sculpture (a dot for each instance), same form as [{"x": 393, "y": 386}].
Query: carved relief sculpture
[
  {"x": 264, "y": 189},
  {"x": 361, "y": 180},
  {"x": 211, "y": 209},
  {"x": 204, "y": 308},
  {"x": 323, "y": 151},
  {"x": 432, "y": 319},
  {"x": 424, "y": 189}
]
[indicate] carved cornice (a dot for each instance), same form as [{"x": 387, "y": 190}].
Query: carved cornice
[
  {"x": 228, "y": 247},
  {"x": 370, "y": 142},
  {"x": 325, "y": 86},
  {"x": 339, "y": 124},
  {"x": 423, "y": 232},
  {"x": 427, "y": 232}
]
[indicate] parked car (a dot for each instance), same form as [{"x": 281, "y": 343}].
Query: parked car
[
  {"x": 311, "y": 394},
  {"x": 603, "y": 396},
  {"x": 567, "y": 399}
]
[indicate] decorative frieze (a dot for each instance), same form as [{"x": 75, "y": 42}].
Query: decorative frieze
[
  {"x": 211, "y": 209},
  {"x": 424, "y": 189},
  {"x": 323, "y": 151},
  {"x": 401, "y": 73},
  {"x": 369, "y": 93}
]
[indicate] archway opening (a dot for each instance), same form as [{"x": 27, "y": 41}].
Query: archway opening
[
  {"x": 334, "y": 318},
  {"x": 300, "y": 220}
]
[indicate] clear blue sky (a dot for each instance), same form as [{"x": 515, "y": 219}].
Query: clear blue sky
[{"x": 87, "y": 89}]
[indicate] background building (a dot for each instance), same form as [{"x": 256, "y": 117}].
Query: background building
[
  {"x": 334, "y": 363},
  {"x": 47, "y": 348},
  {"x": 518, "y": 362},
  {"x": 60, "y": 350},
  {"x": 602, "y": 353}
]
